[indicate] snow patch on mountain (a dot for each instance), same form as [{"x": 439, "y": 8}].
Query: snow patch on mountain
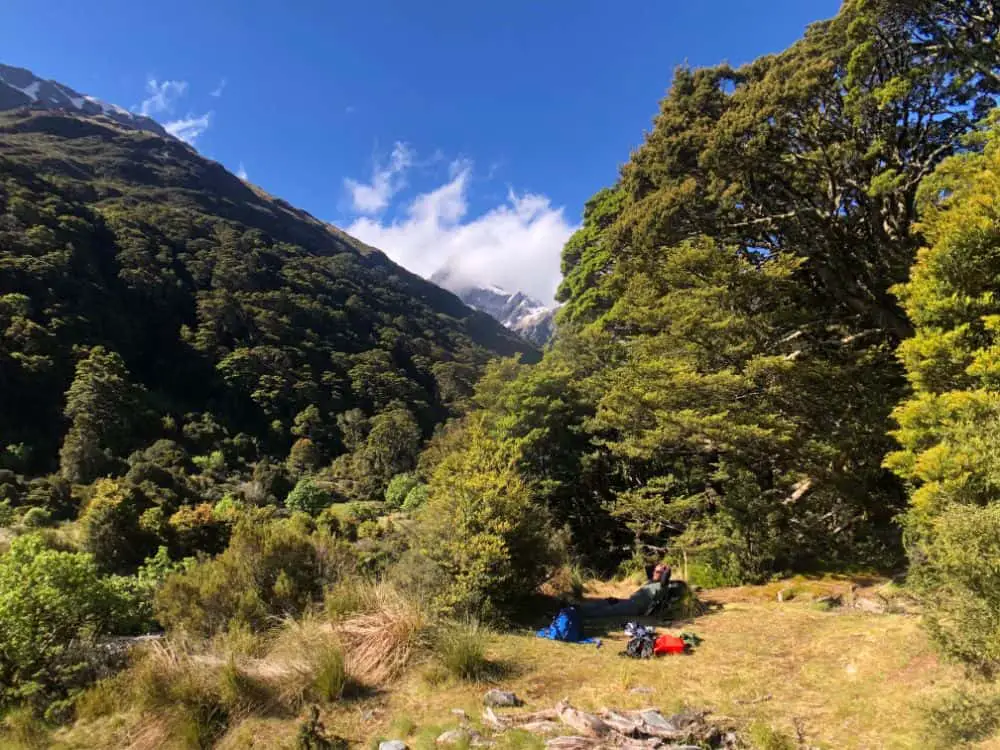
[
  {"x": 20, "y": 87},
  {"x": 517, "y": 311}
]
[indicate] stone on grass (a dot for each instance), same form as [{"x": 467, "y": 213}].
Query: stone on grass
[
  {"x": 501, "y": 699},
  {"x": 392, "y": 745}
]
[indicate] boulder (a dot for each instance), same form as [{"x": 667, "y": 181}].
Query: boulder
[{"x": 501, "y": 699}]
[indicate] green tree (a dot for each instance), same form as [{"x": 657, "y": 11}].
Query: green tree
[
  {"x": 308, "y": 497},
  {"x": 111, "y": 527},
  {"x": 481, "y": 529},
  {"x": 947, "y": 427},
  {"x": 52, "y": 605},
  {"x": 101, "y": 406}
]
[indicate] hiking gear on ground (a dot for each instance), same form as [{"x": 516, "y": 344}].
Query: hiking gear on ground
[
  {"x": 669, "y": 644},
  {"x": 566, "y": 626}
]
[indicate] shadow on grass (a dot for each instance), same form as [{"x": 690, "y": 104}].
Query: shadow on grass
[{"x": 537, "y": 612}]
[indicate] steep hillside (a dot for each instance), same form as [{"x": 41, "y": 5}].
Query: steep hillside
[{"x": 232, "y": 312}]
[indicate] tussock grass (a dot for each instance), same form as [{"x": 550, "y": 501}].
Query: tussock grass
[
  {"x": 461, "y": 649},
  {"x": 381, "y": 639}
]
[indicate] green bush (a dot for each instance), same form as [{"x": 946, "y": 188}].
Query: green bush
[
  {"x": 52, "y": 605},
  {"x": 960, "y": 584},
  {"x": 399, "y": 488},
  {"x": 308, "y": 497},
  {"x": 482, "y": 531},
  {"x": 36, "y": 518},
  {"x": 416, "y": 498},
  {"x": 111, "y": 527},
  {"x": 962, "y": 715},
  {"x": 269, "y": 569}
]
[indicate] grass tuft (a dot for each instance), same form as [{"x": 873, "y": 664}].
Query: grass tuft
[{"x": 461, "y": 650}]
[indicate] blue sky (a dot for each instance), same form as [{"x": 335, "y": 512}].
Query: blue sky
[{"x": 447, "y": 131}]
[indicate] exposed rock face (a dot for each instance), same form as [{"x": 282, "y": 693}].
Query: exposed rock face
[
  {"x": 520, "y": 313},
  {"x": 20, "y": 87}
]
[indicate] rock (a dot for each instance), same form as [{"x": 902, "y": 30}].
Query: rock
[
  {"x": 463, "y": 735},
  {"x": 871, "y": 606},
  {"x": 642, "y": 691},
  {"x": 454, "y": 737},
  {"x": 501, "y": 699},
  {"x": 392, "y": 745},
  {"x": 460, "y": 714}
]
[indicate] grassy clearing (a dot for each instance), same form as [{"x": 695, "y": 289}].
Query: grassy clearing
[
  {"x": 843, "y": 679},
  {"x": 839, "y": 678}
]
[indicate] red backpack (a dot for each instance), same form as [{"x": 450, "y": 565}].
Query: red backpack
[{"x": 668, "y": 644}]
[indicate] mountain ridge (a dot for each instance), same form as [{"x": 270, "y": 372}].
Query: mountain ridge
[
  {"x": 19, "y": 87},
  {"x": 516, "y": 311}
]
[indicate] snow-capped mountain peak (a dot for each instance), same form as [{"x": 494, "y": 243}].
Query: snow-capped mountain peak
[
  {"x": 20, "y": 87},
  {"x": 517, "y": 311}
]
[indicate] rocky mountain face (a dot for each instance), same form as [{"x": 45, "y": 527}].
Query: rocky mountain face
[
  {"x": 526, "y": 316},
  {"x": 22, "y": 88}
]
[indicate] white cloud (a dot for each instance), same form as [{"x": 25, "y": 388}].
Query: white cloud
[
  {"x": 387, "y": 180},
  {"x": 217, "y": 91},
  {"x": 189, "y": 128},
  {"x": 242, "y": 172},
  {"x": 516, "y": 244},
  {"x": 162, "y": 96}
]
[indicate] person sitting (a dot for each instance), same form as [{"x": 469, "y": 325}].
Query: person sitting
[{"x": 644, "y": 602}]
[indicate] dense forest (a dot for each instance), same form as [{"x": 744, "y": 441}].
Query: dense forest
[{"x": 776, "y": 353}]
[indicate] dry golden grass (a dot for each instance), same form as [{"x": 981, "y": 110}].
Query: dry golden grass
[
  {"x": 844, "y": 679},
  {"x": 841, "y": 678},
  {"x": 381, "y": 639}
]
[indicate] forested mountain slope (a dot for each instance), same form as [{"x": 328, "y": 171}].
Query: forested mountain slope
[{"x": 225, "y": 319}]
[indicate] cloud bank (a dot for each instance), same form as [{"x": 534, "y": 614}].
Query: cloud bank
[{"x": 515, "y": 244}]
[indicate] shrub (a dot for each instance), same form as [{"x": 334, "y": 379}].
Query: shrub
[
  {"x": 304, "y": 457},
  {"x": 461, "y": 650},
  {"x": 197, "y": 528},
  {"x": 111, "y": 529},
  {"x": 52, "y": 604},
  {"x": 308, "y": 497},
  {"x": 964, "y": 715},
  {"x": 54, "y": 494},
  {"x": 269, "y": 569},
  {"x": 36, "y": 518},
  {"x": 415, "y": 498},
  {"x": 960, "y": 584},
  {"x": 399, "y": 489},
  {"x": 482, "y": 529}
]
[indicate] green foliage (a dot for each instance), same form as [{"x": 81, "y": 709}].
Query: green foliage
[
  {"x": 111, "y": 527},
  {"x": 308, "y": 497},
  {"x": 460, "y": 647},
  {"x": 399, "y": 489},
  {"x": 36, "y": 518},
  {"x": 268, "y": 569},
  {"x": 416, "y": 497},
  {"x": 947, "y": 428},
  {"x": 52, "y": 606},
  {"x": 101, "y": 405},
  {"x": 482, "y": 529},
  {"x": 964, "y": 715}
]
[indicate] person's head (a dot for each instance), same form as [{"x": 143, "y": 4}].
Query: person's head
[{"x": 661, "y": 573}]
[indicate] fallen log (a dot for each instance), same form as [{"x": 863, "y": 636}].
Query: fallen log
[{"x": 587, "y": 724}]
